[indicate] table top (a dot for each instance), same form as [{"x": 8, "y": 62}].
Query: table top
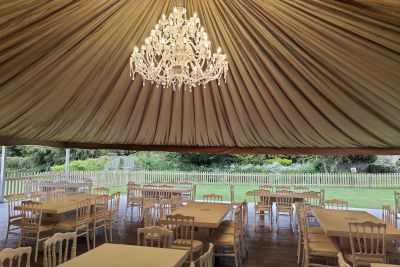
[
  {"x": 205, "y": 214},
  {"x": 174, "y": 189},
  {"x": 336, "y": 222},
  {"x": 383, "y": 265},
  {"x": 118, "y": 255},
  {"x": 63, "y": 204}
]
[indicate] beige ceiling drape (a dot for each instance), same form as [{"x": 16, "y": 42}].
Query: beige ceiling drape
[{"x": 306, "y": 76}]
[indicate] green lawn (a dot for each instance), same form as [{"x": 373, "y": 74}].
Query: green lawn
[{"x": 357, "y": 198}]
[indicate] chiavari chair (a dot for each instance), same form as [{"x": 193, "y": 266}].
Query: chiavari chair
[
  {"x": 212, "y": 198},
  {"x": 14, "y": 216},
  {"x": 101, "y": 191},
  {"x": 389, "y": 216},
  {"x": 268, "y": 187},
  {"x": 312, "y": 198},
  {"x": 15, "y": 256},
  {"x": 282, "y": 188},
  {"x": 300, "y": 189},
  {"x": 154, "y": 236},
  {"x": 165, "y": 192},
  {"x": 183, "y": 233},
  {"x": 57, "y": 193},
  {"x": 134, "y": 199},
  {"x": 262, "y": 206},
  {"x": 150, "y": 191},
  {"x": 188, "y": 195},
  {"x": 233, "y": 242},
  {"x": 206, "y": 260},
  {"x": 80, "y": 224},
  {"x": 150, "y": 212},
  {"x": 56, "y": 249},
  {"x": 32, "y": 227},
  {"x": 336, "y": 204},
  {"x": 99, "y": 217},
  {"x": 368, "y": 243},
  {"x": 113, "y": 214},
  {"x": 341, "y": 261},
  {"x": 284, "y": 205},
  {"x": 38, "y": 196}
]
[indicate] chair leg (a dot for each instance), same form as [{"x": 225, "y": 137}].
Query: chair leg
[
  {"x": 255, "y": 220},
  {"x": 94, "y": 235},
  {"x": 5, "y": 241},
  {"x": 87, "y": 239},
  {"x": 105, "y": 232},
  {"x": 111, "y": 230},
  {"x": 37, "y": 246}
]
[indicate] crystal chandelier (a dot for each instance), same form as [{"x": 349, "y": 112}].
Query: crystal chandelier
[{"x": 178, "y": 53}]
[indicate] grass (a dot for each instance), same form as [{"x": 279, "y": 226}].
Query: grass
[{"x": 357, "y": 198}]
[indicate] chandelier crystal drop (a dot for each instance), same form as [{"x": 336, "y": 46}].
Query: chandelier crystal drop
[{"x": 178, "y": 53}]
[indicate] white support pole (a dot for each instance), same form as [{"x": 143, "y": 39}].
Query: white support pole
[
  {"x": 2, "y": 173},
  {"x": 67, "y": 151}
]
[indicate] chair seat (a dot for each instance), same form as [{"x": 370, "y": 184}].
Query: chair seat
[
  {"x": 323, "y": 247},
  {"x": 197, "y": 244},
  {"x": 16, "y": 221},
  {"x": 222, "y": 239},
  {"x": 315, "y": 230},
  {"x": 284, "y": 208},
  {"x": 363, "y": 258},
  {"x": 68, "y": 225},
  {"x": 262, "y": 208}
]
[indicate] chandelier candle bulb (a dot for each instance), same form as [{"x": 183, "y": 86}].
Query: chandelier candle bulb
[{"x": 178, "y": 53}]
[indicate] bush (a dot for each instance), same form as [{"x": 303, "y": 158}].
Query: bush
[
  {"x": 284, "y": 162},
  {"x": 398, "y": 163},
  {"x": 377, "y": 168},
  {"x": 83, "y": 165}
]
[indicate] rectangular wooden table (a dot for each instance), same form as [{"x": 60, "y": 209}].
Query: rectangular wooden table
[
  {"x": 63, "y": 204},
  {"x": 335, "y": 223},
  {"x": 206, "y": 216},
  {"x": 117, "y": 255}
]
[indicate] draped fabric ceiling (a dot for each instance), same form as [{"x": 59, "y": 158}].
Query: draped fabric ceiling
[{"x": 306, "y": 76}]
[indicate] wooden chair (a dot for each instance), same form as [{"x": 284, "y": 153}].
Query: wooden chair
[
  {"x": 189, "y": 195},
  {"x": 336, "y": 204},
  {"x": 284, "y": 205},
  {"x": 150, "y": 191},
  {"x": 80, "y": 224},
  {"x": 234, "y": 204},
  {"x": 206, "y": 260},
  {"x": 113, "y": 214},
  {"x": 397, "y": 201},
  {"x": 57, "y": 193},
  {"x": 183, "y": 233},
  {"x": 262, "y": 206},
  {"x": 389, "y": 216},
  {"x": 319, "y": 246},
  {"x": 134, "y": 199},
  {"x": 368, "y": 243},
  {"x": 38, "y": 196},
  {"x": 100, "y": 216},
  {"x": 14, "y": 256},
  {"x": 154, "y": 236},
  {"x": 165, "y": 192},
  {"x": 150, "y": 213},
  {"x": 59, "y": 244},
  {"x": 312, "y": 198},
  {"x": 166, "y": 206},
  {"x": 212, "y": 198},
  {"x": 300, "y": 189},
  {"x": 282, "y": 188},
  {"x": 268, "y": 187},
  {"x": 14, "y": 216},
  {"x": 224, "y": 241},
  {"x": 101, "y": 191},
  {"x": 32, "y": 224},
  {"x": 341, "y": 261}
]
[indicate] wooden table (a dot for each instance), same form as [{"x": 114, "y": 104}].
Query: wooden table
[
  {"x": 383, "y": 265},
  {"x": 336, "y": 222},
  {"x": 117, "y": 255},
  {"x": 63, "y": 204},
  {"x": 297, "y": 197},
  {"x": 174, "y": 190},
  {"x": 206, "y": 216}
]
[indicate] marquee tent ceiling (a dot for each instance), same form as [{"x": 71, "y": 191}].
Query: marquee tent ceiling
[{"x": 306, "y": 76}]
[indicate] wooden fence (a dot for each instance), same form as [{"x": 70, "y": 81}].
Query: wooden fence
[{"x": 15, "y": 183}]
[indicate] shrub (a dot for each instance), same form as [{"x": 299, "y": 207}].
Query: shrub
[
  {"x": 378, "y": 168},
  {"x": 284, "y": 162},
  {"x": 83, "y": 165}
]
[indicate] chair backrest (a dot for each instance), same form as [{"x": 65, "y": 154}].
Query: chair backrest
[
  {"x": 301, "y": 189},
  {"x": 14, "y": 256},
  {"x": 336, "y": 204},
  {"x": 215, "y": 198},
  {"x": 312, "y": 198},
  {"x": 101, "y": 207},
  {"x": 397, "y": 201},
  {"x": 245, "y": 209},
  {"x": 82, "y": 216},
  {"x": 389, "y": 216},
  {"x": 150, "y": 214},
  {"x": 182, "y": 228},
  {"x": 154, "y": 236},
  {"x": 284, "y": 198},
  {"x": 166, "y": 206},
  {"x": 206, "y": 260},
  {"x": 150, "y": 191},
  {"x": 113, "y": 206},
  {"x": 133, "y": 190},
  {"x": 232, "y": 193},
  {"x": 56, "y": 249},
  {"x": 261, "y": 197},
  {"x": 342, "y": 262},
  {"x": 13, "y": 201},
  {"x": 368, "y": 238},
  {"x": 31, "y": 214},
  {"x": 165, "y": 191},
  {"x": 101, "y": 191},
  {"x": 38, "y": 196},
  {"x": 282, "y": 188},
  {"x": 268, "y": 187},
  {"x": 57, "y": 193}
]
